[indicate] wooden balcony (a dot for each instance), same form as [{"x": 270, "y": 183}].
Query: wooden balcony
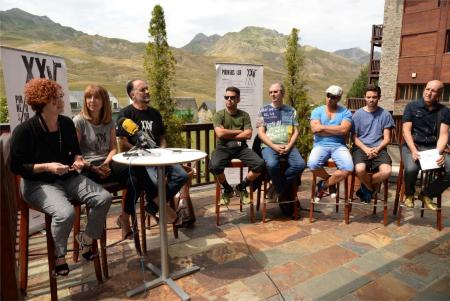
[
  {"x": 375, "y": 67},
  {"x": 355, "y": 103},
  {"x": 377, "y": 35}
]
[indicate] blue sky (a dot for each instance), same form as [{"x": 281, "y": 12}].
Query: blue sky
[{"x": 326, "y": 24}]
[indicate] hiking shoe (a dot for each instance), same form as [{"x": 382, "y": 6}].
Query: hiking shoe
[
  {"x": 272, "y": 195},
  {"x": 428, "y": 202},
  {"x": 243, "y": 194},
  {"x": 332, "y": 190},
  {"x": 409, "y": 201},
  {"x": 320, "y": 191},
  {"x": 226, "y": 196}
]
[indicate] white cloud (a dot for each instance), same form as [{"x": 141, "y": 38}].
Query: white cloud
[{"x": 327, "y": 24}]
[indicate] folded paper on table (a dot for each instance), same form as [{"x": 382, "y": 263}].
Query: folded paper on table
[{"x": 428, "y": 159}]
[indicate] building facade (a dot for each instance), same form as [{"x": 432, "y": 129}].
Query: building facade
[{"x": 416, "y": 49}]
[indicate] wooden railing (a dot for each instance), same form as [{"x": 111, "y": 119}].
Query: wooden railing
[
  {"x": 201, "y": 136},
  {"x": 355, "y": 103},
  {"x": 377, "y": 33},
  {"x": 375, "y": 67}
]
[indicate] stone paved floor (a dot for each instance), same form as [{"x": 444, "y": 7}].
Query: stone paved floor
[{"x": 281, "y": 259}]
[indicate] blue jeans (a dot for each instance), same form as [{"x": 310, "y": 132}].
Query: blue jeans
[
  {"x": 176, "y": 178},
  {"x": 295, "y": 163},
  {"x": 320, "y": 154}
]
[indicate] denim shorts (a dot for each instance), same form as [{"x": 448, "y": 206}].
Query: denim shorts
[{"x": 340, "y": 154}]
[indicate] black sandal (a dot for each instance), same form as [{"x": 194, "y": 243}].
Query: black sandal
[
  {"x": 88, "y": 255},
  {"x": 61, "y": 269}
]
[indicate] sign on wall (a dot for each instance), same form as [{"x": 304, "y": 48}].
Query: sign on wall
[
  {"x": 19, "y": 67},
  {"x": 249, "y": 79}
]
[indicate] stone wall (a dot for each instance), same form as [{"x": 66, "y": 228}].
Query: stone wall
[{"x": 390, "y": 51}]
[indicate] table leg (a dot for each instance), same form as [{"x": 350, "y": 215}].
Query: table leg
[{"x": 164, "y": 276}]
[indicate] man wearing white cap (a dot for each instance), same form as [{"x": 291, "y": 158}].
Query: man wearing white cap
[{"x": 330, "y": 124}]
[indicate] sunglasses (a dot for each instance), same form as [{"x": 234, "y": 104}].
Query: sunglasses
[
  {"x": 226, "y": 97},
  {"x": 333, "y": 97}
]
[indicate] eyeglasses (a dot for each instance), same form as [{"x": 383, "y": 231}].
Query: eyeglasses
[{"x": 227, "y": 97}]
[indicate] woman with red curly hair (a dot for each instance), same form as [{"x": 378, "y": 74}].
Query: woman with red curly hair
[{"x": 46, "y": 154}]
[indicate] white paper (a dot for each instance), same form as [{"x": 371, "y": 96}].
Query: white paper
[{"x": 428, "y": 159}]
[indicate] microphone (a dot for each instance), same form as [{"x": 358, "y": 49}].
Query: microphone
[{"x": 132, "y": 129}]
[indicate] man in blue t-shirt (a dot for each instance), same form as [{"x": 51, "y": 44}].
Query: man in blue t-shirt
[
  {"x": 371, "y": 134},
  {"x": 278, "y": 130},
  {"x": 330, "y": 124}
]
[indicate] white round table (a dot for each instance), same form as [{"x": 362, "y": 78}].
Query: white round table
[{"x": 161, "y": 157}]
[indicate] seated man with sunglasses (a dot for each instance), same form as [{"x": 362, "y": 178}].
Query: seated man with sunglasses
[
  {"x": 330, "y": 124},
  {"x": 233, "y": 128}
]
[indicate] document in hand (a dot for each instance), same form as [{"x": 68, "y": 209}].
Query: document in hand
[{"x": 428, "y": 159}]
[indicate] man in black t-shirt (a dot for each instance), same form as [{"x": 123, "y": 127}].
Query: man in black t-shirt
[
  {"x": 149, "y": 121},
  {"x": 425, "y": 126}
]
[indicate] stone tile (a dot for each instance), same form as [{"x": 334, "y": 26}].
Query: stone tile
[
  {"x": 326, "y": 259},
  {"x": 289, "y": 274},
  {"x": 411, "y": 246},
  {"x": 331, "y": 286},
  {"x": 440, "y": 290},
  {"x": 375, "y": 263},
  {"x": 422, "y": 270},
  {"x": 318, "y": 241},
  {"x": 281, "y": 254},
  {"x": 356, "y": 247},
  {"x": 261, "y": 285},
  {"x": 233, "y": 291},
  {"x": 195, "y": 246},
  {"x": 386, "y": 287},
  {"x": 374, "y": 239},
  {"x": 224, "y": 274}
]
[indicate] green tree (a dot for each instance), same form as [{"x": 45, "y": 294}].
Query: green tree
[
  {"x": 296, "y": 92},
  {"x": 159, "y": 65},
  {"x": 360, "y": 83},
  {"x": 3, "y": 110}
]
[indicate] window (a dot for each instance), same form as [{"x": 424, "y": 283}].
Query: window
[
  {"x": 410, "y": 91},
  {"x": 414, "y": 92},
  {"x": 445, "y": 98}
]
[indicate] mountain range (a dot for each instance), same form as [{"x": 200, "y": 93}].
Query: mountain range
[{"x": 111, "y": 62}]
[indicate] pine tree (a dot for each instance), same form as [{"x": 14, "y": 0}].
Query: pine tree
[
  {"x": 159, "y": 65},
  {"x": 359, "y": 84},
  {"x": 296, "y": 92},
  {"x": 3, "y": 110}
]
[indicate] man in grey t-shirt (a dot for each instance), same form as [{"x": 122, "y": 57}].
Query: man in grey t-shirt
[{"x": 371, "y": 134}]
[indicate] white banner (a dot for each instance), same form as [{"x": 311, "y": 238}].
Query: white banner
[
  {"x": 20, "y": 66},
  {"x": 249, "y": 79}
]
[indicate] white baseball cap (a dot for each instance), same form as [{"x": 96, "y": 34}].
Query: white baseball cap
[{"x": 334, "y": 90}]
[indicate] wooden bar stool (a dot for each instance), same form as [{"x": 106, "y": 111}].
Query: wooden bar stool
[
  {"x": 330, "y": 164},
  {"x": 23, "y": 246},
  {"x": 235, "y": 163},
  {"x": 383, "y": 184},
  {"x": 425, "y": 180},
  {"x": 265, "y": 181}
]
